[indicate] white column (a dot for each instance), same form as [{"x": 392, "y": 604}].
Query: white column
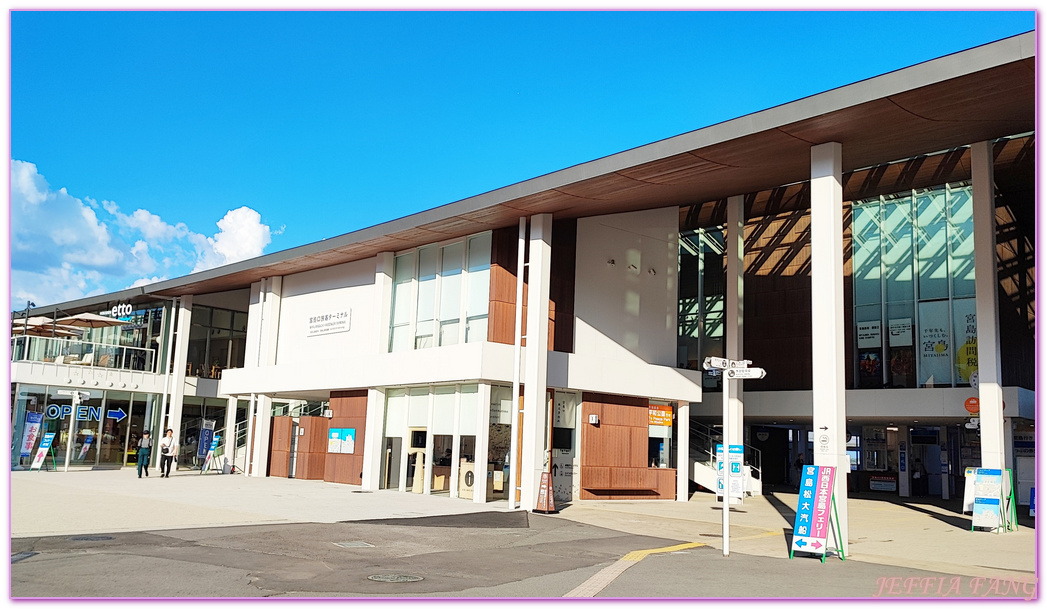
[
  {"x": 374, "y": 447},
  {"x": 990, "y": 383},
  {"x": 515, "y": 410},
  {"x": 483, "y": 444},
  {"x": 181, "y": 351},
  {"x": 536, "y": 358},
  {"x": 734, "y": 284},
  {"x": 229, "y": 436},
  {"x": 827, "y": 320},
  {"x": 683, "y": 450},
  {"x": 268, "y": 331},
  {"x": 383, "y": 298}
]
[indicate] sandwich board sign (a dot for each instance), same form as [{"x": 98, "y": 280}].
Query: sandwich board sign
[
  {"x": 816, "y": 513},
  {"x": 41, "y": 453}
]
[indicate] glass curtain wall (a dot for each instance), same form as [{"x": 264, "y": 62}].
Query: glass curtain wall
[
  {"x": 701, "y": 299},
  {"x": 217, "y": 340},
  {"x": 913, "y": 271},
  {"x": 441, "y": 295}
]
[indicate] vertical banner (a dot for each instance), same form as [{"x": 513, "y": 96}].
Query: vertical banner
[
  {"x": 33, "y": 421},
  {"x": 206, "y": 435},
  {"x": 935, "y": 355},
  {"x": 813, "y": 509},
  {"x": 86, "y": 447},
  {"x": 41, "y": 453}
]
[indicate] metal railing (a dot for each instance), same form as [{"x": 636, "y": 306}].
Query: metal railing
[
  {"x": 703, "y": 441},
  {"x": 188, "y": 452},
  {"x": 72, "y": 352}
]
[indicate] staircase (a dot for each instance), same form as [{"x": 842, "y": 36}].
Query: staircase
[
  {"x": 703, "y": 441},
  {"x": 237, "y": 456}
]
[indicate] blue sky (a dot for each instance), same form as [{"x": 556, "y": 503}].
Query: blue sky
[{"x": 146, "y": 145}]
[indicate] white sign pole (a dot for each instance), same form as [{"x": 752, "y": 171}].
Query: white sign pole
[{"x": 726, "y": 474}]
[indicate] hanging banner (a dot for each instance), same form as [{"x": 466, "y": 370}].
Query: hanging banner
[
  {"x": 41, "y": 453},
  {"x": 935, "y": 355},
  {"x": 31, "y": 431},
  {"x": 813, "y": 509}
]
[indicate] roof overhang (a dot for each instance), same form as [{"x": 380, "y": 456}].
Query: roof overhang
[{"x": 979, "y": 94}]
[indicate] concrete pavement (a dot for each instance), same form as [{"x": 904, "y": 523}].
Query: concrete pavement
[{"x": 890, "y": 537}]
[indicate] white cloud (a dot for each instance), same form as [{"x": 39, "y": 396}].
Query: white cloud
[
  {"x": 241, "y": 236},
  {"x": 63, "y": 248}
]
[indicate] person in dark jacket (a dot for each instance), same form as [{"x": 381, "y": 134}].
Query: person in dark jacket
[{"x": 145, "y": 449}]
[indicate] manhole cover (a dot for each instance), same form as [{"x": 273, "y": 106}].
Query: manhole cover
[
  {"x": 91, "y": 538},
  {"x": 352, "y": 544},
  {"x": 395, "y": 579},
  {"x": 21, "y": 556}
]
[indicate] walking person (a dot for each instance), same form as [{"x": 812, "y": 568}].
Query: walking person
[
  {"x": 168, "y": 452},
  {"x": 145, "y": 449}
]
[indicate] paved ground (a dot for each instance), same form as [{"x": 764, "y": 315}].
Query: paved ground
[{"x": 109, "y": 534}]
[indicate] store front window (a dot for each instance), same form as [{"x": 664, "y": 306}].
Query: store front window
[{"x": 913, "y": 272}]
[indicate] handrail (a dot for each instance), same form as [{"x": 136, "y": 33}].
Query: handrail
[{"x": 73, "y": 352}]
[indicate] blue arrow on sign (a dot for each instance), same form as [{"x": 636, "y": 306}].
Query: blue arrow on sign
[
  {"x": 801, "y": 543},
  {"x": 117, "y": 414}
]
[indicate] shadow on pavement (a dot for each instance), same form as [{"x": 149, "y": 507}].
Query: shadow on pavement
[{"x": 478, "y": 520}]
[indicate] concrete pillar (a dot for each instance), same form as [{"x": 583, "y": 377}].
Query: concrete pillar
[
  {"x": 262, "y": 334},
  {"x": 683, "y": 450},
  {"x": 986, "y": 285},
  {"x": 181, "y": 353},
  {"x": 374, "y": 446},
  {"x": 383, "y": 297},
  {"x": 483, "y": 444},
  {"x": 734, "y": 244},
  {"x": 536, "y": 359},
  {"x": 827, "y": 320},
  {"x": 229, "y": 435}
]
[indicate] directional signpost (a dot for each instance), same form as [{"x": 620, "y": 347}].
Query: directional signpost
[{"x": 733, "y": 370}]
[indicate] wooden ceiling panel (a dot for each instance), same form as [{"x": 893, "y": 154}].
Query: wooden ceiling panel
[{"x": 676, "y": 169}]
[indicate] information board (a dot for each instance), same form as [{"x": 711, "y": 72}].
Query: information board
[
  {"x": 988, "y": 496},
  {"x": 735, "y": 464}
]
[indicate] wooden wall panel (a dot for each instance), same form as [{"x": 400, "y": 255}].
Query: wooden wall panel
[
  {"x": 279, "y": 447},
  {"x": 309, "y": 466},
  {"x": 349, "y": 411},
  {"x": 613, "y": 454},
  {"x": 502, "y": 297}
]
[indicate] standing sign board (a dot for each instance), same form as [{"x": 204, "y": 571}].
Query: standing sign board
[
  {"x": 988, "y": 491},
  {"x": 210, "y": 462},
  {"x": 815, "y": 512},
  {"x": 41, "y": 453},
  {"x": 206, "y": 435},
  {"x": 33, "y": 421}
]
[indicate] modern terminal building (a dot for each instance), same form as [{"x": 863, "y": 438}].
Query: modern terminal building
[{"x": 871, "y": 247}]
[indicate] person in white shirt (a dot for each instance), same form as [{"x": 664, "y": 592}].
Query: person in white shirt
[{"x": 168, "y": 452}]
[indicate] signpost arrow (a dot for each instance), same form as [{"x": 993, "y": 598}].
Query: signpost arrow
[
  {"x": 823, "y": 428},
  {"x": 745, "y": 373},
  {"x": 801, "y": 543},
  {"x": 117, "y": 414},
  {"x": 815, "y": 544}
]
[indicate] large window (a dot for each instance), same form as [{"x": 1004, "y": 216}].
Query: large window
[
  {"x": 441, "y": 295},
  {"x": 913, "y": 271},
  {"x": 217, "y": 340}
]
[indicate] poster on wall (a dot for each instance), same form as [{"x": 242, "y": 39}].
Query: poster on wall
[
  {"x": 870, "y": 369},
  {"x": 935, "y": 355},
  {"x": 869, "y": 334},
  {"x": 901, "y": 332},
  {"x": 341, "y": 440}
]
